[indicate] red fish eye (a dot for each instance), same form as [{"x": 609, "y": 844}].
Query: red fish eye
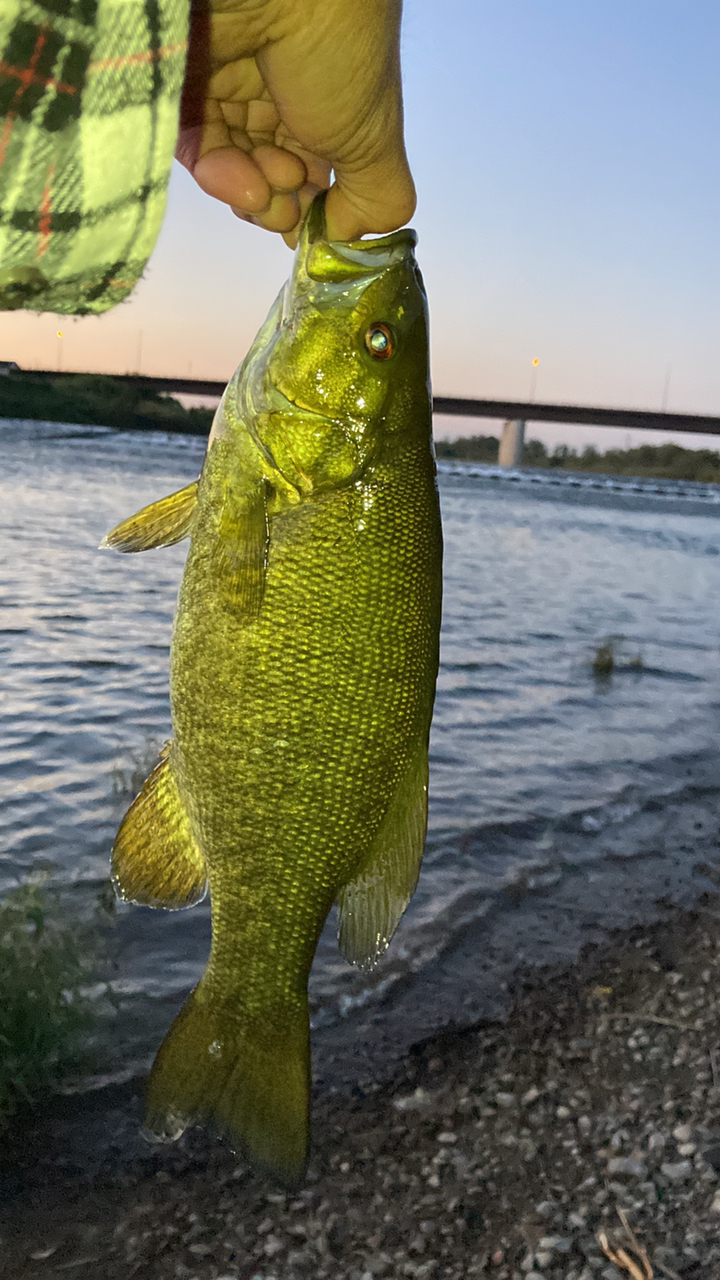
[{"x": 379, "y": 341}]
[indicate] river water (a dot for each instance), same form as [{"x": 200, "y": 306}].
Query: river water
[{"x": 563, "y": 801}]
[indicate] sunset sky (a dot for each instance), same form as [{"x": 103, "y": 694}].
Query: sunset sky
[{"x": 566, "y": 160}]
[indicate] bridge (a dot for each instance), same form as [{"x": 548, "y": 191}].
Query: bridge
[{"x": 516, "y": 411}]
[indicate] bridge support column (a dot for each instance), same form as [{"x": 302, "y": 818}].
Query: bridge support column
[{"x": 511, "y": 443}]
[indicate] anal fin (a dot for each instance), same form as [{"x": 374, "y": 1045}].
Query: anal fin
[
  {"x": 371, "y": 905},
  {"x": 156, "y": 860},
  {"x": 161, "y": 524}
]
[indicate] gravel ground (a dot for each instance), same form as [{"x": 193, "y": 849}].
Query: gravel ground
[{"x": 584, "y": 1128}]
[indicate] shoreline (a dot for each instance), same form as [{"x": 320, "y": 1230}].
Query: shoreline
[{"x": 499, "y": 1149}]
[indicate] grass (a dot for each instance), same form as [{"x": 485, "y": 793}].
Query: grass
[{"x": 45, "y": 965}]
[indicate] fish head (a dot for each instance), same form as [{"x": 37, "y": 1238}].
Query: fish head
[{"x": 345, "y": 340}]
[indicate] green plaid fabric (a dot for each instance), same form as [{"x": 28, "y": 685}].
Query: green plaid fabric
[{"x": 89, "y": 103}]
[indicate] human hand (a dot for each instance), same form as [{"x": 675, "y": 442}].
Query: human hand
[{"x": 280, "y": 92}]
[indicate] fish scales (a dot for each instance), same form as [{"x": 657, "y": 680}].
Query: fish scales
[{"x": 303, "y": 665}]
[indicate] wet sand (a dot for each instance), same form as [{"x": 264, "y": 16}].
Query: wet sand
[{"x": 585, "y": 1126}]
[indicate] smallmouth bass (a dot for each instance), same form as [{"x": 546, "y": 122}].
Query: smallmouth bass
[{"x": 302, "y": 676}]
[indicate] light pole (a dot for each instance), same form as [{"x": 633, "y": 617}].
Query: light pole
[
  {"x": 666, "y": 389},
  {"x": 59, "y": 350},
  {"x": 533, "y": 379}
]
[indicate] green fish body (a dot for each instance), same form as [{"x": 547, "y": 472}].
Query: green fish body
[{"x": 303, "y": 666}]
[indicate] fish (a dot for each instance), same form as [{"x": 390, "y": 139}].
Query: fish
[{"x": 303, "y": 663}]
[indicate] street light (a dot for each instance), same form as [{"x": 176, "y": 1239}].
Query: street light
[
  {"x": 59, "y": 350},
  {"x": 533, "y": 378}
]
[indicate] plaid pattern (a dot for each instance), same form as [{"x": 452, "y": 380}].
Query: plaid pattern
[{"x": 89, "y": 102}]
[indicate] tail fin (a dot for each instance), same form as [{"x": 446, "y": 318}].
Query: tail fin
[{"x": 248, "y": 1078}]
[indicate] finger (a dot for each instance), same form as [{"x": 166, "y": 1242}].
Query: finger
[
  {"x": 230, "y": 175},
  {"x": 282, "y": 214},
  {"x": 306, "y": 195},
  {"x": 283, "y": 170}
]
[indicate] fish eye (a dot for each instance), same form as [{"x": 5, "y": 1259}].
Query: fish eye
[{"x": 379, "y": 341}]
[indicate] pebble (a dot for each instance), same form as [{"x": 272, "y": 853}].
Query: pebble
[
  {"x": 545, "y": 1208},
  {"x": 505, "y": 1099},
  {"x": 656, "y": 1142},
  {"x": 677, "y": 1172},
  {"x": 624, "y": 1164},
  {"x": 682, "y": 1133},
  {"x": 413, "y": 1101},
  {"x": 715, "y": 1206}
]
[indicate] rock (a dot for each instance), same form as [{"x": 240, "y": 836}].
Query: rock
[
  {"x": 677, "y": 1172},
  {"x": 505, "y": 1099},
  {"x": 532, "y": 1094},
  {"x": 624, "y": 1164},
  {"x": 715, "y": 1206},
  {"x": 416, "y": 1101},
  {"x": 656, "y": 1142},
  {"x": 272, "y": 1246},
  {"x": 682, "y": 1133},
  {"x": 545, "y": 1208},
  {"x": 712, "y": 1156}
]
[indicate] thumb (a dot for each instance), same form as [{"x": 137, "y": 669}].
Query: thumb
[{"x": 372, "y": 191}]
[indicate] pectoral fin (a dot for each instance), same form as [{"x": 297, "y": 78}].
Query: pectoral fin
[
  {"x": 241, "y": 548},
  {"x": 160, "y": 525},
  {"x": 371, "y": 905},
  {"x": 156, "y": 860}
]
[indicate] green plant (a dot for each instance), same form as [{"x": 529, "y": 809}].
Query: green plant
[
  {"x": 43, "y": 967},
  {"x": 611, "y": 656}
]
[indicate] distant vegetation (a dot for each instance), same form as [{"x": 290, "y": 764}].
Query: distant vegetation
[
  {"x": 664, "y": 461},
  {"x": 91, "y": 398}
]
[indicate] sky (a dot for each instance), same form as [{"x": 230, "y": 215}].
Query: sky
[{"x": 566, "y": 161}]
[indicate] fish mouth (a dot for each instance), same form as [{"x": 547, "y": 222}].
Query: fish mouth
[{"x": 344, "y": 261}]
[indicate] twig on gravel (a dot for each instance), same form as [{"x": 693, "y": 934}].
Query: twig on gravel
[
  {"x": 651, "y": 1017},
  {"x": 620, "y": 1257}
]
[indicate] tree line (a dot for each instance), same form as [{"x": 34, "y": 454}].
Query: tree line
[
  {"x": 663, "y": 461},
  {"x": 97, "y": 400}
]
